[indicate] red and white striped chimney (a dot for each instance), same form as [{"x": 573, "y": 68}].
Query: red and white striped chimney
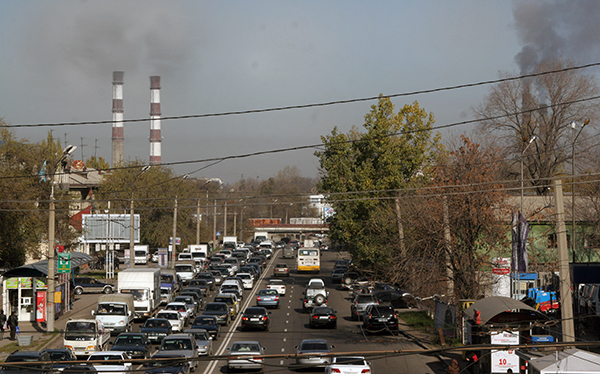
[
  {"x": 155, "y": 137},
  {"x": 117, "y": 111}
]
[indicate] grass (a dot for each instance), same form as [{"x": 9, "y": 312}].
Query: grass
[{"x": 418, "y": 320}]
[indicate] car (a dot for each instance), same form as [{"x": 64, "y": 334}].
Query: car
[
  {"x": 116, "y": 362},
  {"x": 219, "y": 310},
  {"x": 235, "y": 292},
  {"x": 306, "y": 353},
  {"x": 323, "y": 316},
  {"x": 203, "y": 341},
  {"x": 167, "y": 363},
  {"x": 250, "y": 270},
  {"x": 83, "y": 285},
  {"x": 256, "y": 317},
  {"x": 360, "y": 303},
  {"x": 25, "y": 362},
  {"x": 218, "y": 277},
  {"x": 337, "y": 276},
  {"x": 183, "y": 344},
  {"x": 348, "y": 365},
  {"x": 190, "y": 303},
  {"x": 80, "y": 368},
  {"x": 238, "y": 356},
  {"x": 174, "y": 317},
  {"x": 268, "y": 298},
  {"x": 64, "y": 355},
  {"x": 156, "y": 329},
  {"x": 257, "y": 268},
  {"x": 379, "y": 318},
  {"x": 208, "y": 323},
  {"x": 266, "y": 252},
  {"x": 259, "y": 260},
  {"x": 247, "y": 279},
  {"x": 277, "y": 285},
  {"x": 184, "y": 257},
  {"x": 202, "y": 283},
  {"x": 281, "y": 270},
  {"x": 234, "y": 262},
  {"x": 398, "y": 299},
  {"x": 134, "y": 344},
  {"x": 209, "y": 278},
  {"x": 232, "y": 303},
  {"x": 183, "y": 310}
]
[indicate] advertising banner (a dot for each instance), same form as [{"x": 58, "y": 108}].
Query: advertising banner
[
  {"x": 502, "y": 361},
  {"x": 40, "y": 308}
]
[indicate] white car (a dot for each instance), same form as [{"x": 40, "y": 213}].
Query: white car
[
  {"x": 174, "y": 317},
  {"x": 180, "y": 307},
  {"x": 247, "y": 280},
  {"x": 112, "y": 367},
  {"x": 278, "y": 285},
  {"x": 349, "y": 365}
]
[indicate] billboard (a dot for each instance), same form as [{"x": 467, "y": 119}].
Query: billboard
[{"x": 110, "y": 228}]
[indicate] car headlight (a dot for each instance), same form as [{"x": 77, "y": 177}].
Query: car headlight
[
  {"x": 203, "y": 347},
  {"x": 121, "y": 323}
]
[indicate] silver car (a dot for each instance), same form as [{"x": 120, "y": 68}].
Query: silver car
[
  {"x": 238, "y": 356},
  {"x": 183, "y": 344},
  {"x": 310, "y": 353},
  {"x": 203, "y": 341}
]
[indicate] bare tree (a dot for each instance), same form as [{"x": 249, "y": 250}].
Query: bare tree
[{"x": 543, "y": 106}]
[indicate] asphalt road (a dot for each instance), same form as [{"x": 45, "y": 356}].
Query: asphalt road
[{"x": 289, "y": 326}]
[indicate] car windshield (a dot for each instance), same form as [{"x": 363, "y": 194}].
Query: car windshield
[
  {"x": 205, "y": 321},
  {"x": 314, "y": 346},
  {"x": 276, "y": 283},
  {"x": 129, "y": 340},
  {"x": 183, "y": 268},
  {"x": 170, "y": 316},
  {"x": 179, "y": 308},
  {"x": 223, "y": 299},
  {"x": 59, "y": 356},
  {"x": 322, "y": 310},
  {"x": 199, "y": 335},
  {"x": 176, "y": 345},
  {"x": 267, "y": 293},
  {"x": 364, "y": 299},
  {"x": 138, "y": 295},
  {"x": 166, "y": 278},
  {"x": 106, "y": 357},
  {"x": 111, "y": 309},
  {"x": 215, "y": 308},
  {"x": 155, "y": 323},
  {"x": 245, "y": 347},
  {"x": 349, "y": 361}
]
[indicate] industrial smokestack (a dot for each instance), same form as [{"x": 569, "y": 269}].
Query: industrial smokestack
[
  {"x": 117, "y": 127},
  {"x": 155, "y": 137}
]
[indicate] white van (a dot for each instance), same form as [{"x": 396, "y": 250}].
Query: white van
[{"x": 140, "y": 254}]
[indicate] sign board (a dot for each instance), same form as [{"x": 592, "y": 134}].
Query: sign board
[
  {"x": 109, "y": 228},
  {"x": 502, "y": 361},
  {"x": 40, "y": 307},
  {"x": 177, "y": 240},
  {"x": 64, "y": 263},
  {"x": 163, "y": 257}
]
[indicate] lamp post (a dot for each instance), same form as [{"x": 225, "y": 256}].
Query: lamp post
[
  {"x": 174, "y": 240},
  {"x": 51, "y": 229},
  {"x": 523, "y": 155},
  {"x": 575, "y": 136},
  {"x": 131, "y": 220}
]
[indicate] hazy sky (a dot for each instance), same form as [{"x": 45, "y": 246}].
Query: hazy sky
[{"x": 221, "y": 56}]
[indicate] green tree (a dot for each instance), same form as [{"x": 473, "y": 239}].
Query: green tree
[
  {"x": 362, "y": 173},
  {"x": 98, "y": 163}
]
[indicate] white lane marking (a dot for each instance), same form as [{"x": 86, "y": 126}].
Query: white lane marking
[
  {"x": 282, "y": 349},
  {"x": 284, "y": 339}
]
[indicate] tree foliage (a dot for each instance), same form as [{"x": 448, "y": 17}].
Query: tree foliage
[{"x": 543, "y": 106}]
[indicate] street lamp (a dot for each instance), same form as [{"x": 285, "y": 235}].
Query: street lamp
[
  {"x": 173, "y": 241},
  {"x": 51, "y": 222},
  {"x": 575, "y": 136},
  {"x": 523, "y": 155},
  {"x": 131, "y": 220}
]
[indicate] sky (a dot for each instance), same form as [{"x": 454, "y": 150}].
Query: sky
[{"x": 225, "y": 56}]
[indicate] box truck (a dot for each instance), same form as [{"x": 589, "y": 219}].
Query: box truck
[
  {"x": 85, "y": 336},
  {"x": 230, "y": 242},
  {"x": 144, "y": 285},
  {"x": 116, "y": 312},
  {"x": 141, "y": 254}
]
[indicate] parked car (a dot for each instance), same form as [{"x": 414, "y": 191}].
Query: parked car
[
  {"x": 203, "y": 341},
  {"x": 397, "y": 299},
  {"x": 277, "y": 285},
  {"x": 156, "y": 329},
  {"x": 183, "y": 344},
  {"x": 91, "y": 285},
  {"x": 256, "y": 317},
  {"x": 27, "y": 362},
  {"x": 163, "y": 365},
  {"x": 134, "y": 344},
  {"x": 281, "y": 270},
  {"x": 219, "y": 310},
  {"x": 323, "y": 316},
  {"x": 379, "y": 318},
  {"x": 268, "y": 298},
  {"x": 348, "y": 365},
  {"x": 238, "y": 356},
  {"x": 113, "y": 361},
  {"x": 360, "y": 303},
  {"x": 308, "y": 348},
  {"x": 208, "y": 323}
]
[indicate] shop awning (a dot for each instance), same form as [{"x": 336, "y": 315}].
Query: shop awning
[
  {"x": 491, "y": 307},
  {"x": 40, "y": 268}
]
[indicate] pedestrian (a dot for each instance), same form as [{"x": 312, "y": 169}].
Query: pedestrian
[
  {"x": 473, "y": 360},
  {"x": 13, "y": 322},
  {"x": 2, "y": 323},
  {"x": 454, "y": 368}
]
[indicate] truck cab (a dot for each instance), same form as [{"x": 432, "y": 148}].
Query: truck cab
[
  {"x": 115, "y": 312},
  {"x": 85, "y": 336}
]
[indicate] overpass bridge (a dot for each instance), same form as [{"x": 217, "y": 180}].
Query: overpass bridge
[{"x": 294, "y": 231}]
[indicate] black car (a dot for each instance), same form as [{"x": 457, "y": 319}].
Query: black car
[
  {"x": 194, "y": 294},
  {"x": 323, "y": 316},
  {"x": 203, "y": 283},
  {"x": 134, "y": 344},
  {"x": 256, "y": 317},
  {"x": 63, "y": 355},
  {"x": 337, "y": 275},
  {"x": 167, "y": 363},
  {"x": 80, "y": 368},
  {"x": 380, "y": 318},
  {"x": 26, "y": 362},
  {"x": 156, "y": 329},
  {"x": 250, "y": 270},
  {"x": 209, "y": 278},
  {"x": 91, "y": 285},
  {"x": 397, "y": 299},
  {"x": 208, "y": 323},
  {"x": 219, "y": 310}
]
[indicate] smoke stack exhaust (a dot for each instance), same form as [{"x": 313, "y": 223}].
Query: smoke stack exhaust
[
  {"x": 117, "y": 127},
  {"x": 155, "y": 136}
]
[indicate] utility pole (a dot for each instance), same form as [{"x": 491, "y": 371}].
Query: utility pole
[{"x": 566, "y": 306}]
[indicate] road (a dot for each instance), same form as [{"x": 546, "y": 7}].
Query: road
[{"x": 289, "y": 326}]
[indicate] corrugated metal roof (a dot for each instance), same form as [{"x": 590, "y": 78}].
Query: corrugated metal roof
[
  {"x": 40, "y": 268},
  {"x": 492, "y": 306}
]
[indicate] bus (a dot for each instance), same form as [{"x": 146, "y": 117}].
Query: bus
[{"x": 309, "y": 259}]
